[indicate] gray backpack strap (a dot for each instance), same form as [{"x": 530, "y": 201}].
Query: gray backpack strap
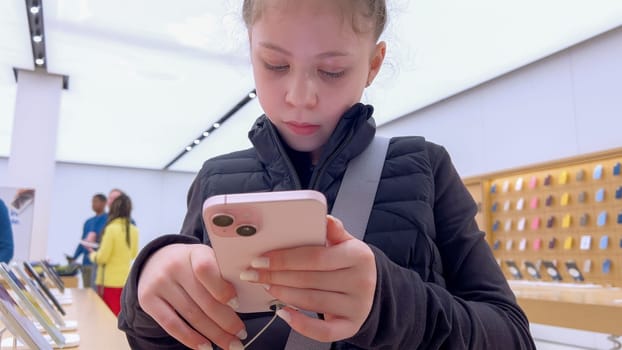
[
  {"x": 358, "y": 187},
  {"x": 352, "y": 206}
]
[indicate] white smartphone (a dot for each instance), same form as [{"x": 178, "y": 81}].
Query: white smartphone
[
  {"x": 89, "y": 244},
  {"x": 244, "y": 226}
]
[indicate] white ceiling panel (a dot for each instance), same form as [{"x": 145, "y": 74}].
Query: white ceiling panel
[
  {"x": 122, "y": 113},
  {"x": 147, "y": 76},
  {"x": 206, "y": 25},
  {"x": 440, "y": 48},
  {"x": 137, "y": 92}
]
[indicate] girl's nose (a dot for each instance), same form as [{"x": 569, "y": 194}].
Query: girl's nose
[{"x": 302, "y": 92}]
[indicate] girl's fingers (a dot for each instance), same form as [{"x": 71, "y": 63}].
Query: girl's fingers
[
  {"x": 321, "y": 330},
  {"x": 170, "y": 321},
  {"x": 340, "y": 281},
  {"x": 170, "y": 291},
  {"x": 341, "y": 256},
  {"x": 335, "y": 231},
  {"x": 205, "y": 270},
  {"x": 319, "y": 301},
  {"x": 203, "y": 303},
  {"x": 193, "y": 314}
]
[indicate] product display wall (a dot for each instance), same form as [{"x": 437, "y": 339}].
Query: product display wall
[{"x": 560, "y": 221}]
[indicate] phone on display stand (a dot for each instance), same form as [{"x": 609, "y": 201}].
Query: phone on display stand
[
  {"x": 18, "y": 324},
  {"x": 50, "y": 272},
  {"x": 35, "y": 276},
  {"x": 244, "y": 226},
  {"x": 29, "y": 303}
]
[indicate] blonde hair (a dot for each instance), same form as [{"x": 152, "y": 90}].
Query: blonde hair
[{"x": 374, "y": 12}]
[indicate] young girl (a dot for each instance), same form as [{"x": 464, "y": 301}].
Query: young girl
[
  {"x": 423, "y": 277},
  {"x": 118, "y": 247}
]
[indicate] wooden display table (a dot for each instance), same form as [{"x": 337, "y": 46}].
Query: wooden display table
[
  {"x": 97, "y": 325},
  {"x": 586, "y": 307},
  {"x": 70, "y": 281}
]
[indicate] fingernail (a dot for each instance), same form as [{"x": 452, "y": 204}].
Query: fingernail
[
  {"x": 242, "y": 334},
  {"x": 260, "y": 263},
  {"x": 236, "y": 345},
  {"x": 266, "y": 286},
  {"x": 234, "y": 303},
  {"x": 284, "y": 315},
  {"x": 207, "y": 346},
  {"x": 250, "y": 276}
]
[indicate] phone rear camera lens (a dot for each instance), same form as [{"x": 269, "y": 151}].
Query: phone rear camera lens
[
  {"x": 246, "y": 230},
  {"x": 222, "y": 220}
]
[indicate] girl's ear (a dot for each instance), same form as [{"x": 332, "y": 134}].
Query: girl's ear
[{"x": 375, "y": 63}]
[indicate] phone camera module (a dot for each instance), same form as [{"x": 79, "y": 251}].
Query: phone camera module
[
  {"x": 246, "y": 230},
  {"x": 222, "y": 220}
]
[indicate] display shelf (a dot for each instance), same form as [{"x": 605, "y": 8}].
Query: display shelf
[
  {"x": 588, "y": 307},
  {"x": 560, "y": 220}
]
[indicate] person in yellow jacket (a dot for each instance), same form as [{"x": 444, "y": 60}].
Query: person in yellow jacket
[{"x": 118, "y": 247}]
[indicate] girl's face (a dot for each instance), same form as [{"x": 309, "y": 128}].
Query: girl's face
[{"x": 310, "y": 66}]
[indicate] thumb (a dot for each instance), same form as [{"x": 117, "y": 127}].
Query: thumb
[{"x": 335, "y": 231}]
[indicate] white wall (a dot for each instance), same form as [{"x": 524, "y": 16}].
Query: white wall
[
  {"x": 4, "y": 170},
  {"x": 565, "y": 105},
  {"x": 158, "y": 197}
]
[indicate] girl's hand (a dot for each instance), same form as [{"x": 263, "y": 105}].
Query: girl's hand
[
  {"x": 338, "y": 280},
  {"x": 181, "y": 288}
]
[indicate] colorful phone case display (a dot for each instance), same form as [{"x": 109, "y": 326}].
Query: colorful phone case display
[{"x": 558, "y": 221}]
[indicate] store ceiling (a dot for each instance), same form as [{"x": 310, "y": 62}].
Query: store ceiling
[{"x": 146, "y": 77}]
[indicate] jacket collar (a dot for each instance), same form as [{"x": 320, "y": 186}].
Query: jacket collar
[{"x": 353, "y": 133}]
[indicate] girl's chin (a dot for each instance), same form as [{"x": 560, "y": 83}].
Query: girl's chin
[{"x": 303, "y": 146}]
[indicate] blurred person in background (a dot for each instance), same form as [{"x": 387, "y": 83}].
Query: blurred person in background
[
  {"x": 91, "y": 229},
  {"x": 6, "y": 234},
  {"x": 118, "y": 247}
]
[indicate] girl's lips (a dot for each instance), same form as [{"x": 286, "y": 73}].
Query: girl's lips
[{"x": 301, "y": 128}]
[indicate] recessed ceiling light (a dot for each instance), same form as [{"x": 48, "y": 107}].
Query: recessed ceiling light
[
  {"x": 34, "y": 10},
  {"x": 40, "y": 61},
  {"x": 37, "y": 38},
  {"x": 211, "y": 129}
]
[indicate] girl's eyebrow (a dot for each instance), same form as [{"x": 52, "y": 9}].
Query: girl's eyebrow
[{"x": 326, "y": 54}]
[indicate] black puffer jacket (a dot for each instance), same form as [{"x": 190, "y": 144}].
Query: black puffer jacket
[{"x": 439, "y": 286}]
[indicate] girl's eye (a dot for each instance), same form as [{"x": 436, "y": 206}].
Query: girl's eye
[
  {"x": 276, "y": 68},
  {"x": 332, "y": 75}
]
